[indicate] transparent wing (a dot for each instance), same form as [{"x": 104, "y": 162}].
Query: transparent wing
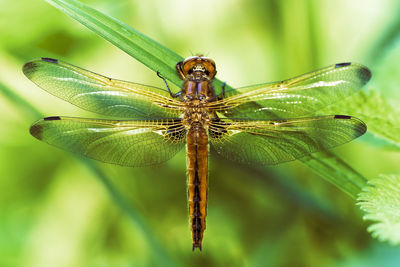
[
  {"x": 100, "y": 94},
  {"x": 127, "y": 143},
  {"x": 295, "y": 97},
  {"x": 276, "y": 141}
]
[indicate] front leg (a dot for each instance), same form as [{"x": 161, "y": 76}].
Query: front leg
[
  {"x": 220, "y": 96},
  {"x": 178, "y": 94}
]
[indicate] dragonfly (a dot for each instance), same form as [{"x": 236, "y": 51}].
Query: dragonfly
[{"x": 263, "y": 124}]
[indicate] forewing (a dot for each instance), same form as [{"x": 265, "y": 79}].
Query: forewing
[
  {"x": 296, "y": 97},
  {"x": 100, "y": 94},
  {"x": 127, "y": 143},
  {"x": 276, "y": 141}
]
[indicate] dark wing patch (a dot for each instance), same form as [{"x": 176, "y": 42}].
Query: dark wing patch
[
  {"x": 365, "y": 74},
  {"x": 53, "y": 118},
  {"x": 36, "y": 131},
  {"x": 52, "y": 60},
  {"x": 29, "y": 68},
  {"x": 344, "y": 64},
  {"x": 345, "y": 117}
]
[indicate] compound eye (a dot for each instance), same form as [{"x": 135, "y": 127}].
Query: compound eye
[
  {"x": 209, "y": 65},
  {"x": 187, "y": 67}
]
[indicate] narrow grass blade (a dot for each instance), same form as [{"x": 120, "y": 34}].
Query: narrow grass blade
[
  {"x": 336, "y": 171},
  {"x": 144, "y": 49},
  {"x": 19, "y": 101},
  {"x": 161, "y": 256},
  {"x": 152, "y": 54}
]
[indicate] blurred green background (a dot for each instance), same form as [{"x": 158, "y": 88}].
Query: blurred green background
[{"x": 57, "y": 209}]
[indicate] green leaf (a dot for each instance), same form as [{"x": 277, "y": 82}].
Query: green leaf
[
  {"x": 380, "y": 201},
  {"x": 382, "y": 119}
]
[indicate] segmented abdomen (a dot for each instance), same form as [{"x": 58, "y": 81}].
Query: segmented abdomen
[{"x": 197, "y": 166}]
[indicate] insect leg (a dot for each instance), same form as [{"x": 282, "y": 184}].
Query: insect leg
[
  {"x": 223, "y": 89},
  {"x": 221, "y": 95},
  {"x": 169, "y": 90}
]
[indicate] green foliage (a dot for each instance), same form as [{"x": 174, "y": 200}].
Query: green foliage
[
  {"x": 372, "y": 108},
  {"x": 54, "y": 209},
  {"x": 380, "y": 201}
]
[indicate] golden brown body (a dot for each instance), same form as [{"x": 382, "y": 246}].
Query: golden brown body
[{"x": 198, "y": 73}]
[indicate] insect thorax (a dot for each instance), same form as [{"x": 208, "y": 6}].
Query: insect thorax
[{"x": 196, "y": 112}]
